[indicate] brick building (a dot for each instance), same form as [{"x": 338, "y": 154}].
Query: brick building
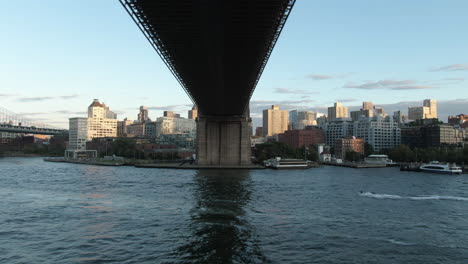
[
  {"x": 306, "y": 137},
  {"x": 346, "y": 144}
]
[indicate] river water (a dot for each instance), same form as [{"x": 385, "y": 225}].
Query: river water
[{"x": 70, "y": 213}]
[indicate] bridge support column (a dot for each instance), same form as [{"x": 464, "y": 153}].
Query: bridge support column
[{"x": 224, "y": 141}]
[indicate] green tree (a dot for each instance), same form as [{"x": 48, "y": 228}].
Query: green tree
[
  {"x": 402, "y": 153},
  {"x": 270, "y": 150},
  {"x": 352, "y": 155},
  {"x": 124, "y": 147},
  {"x": 309, "y": 153},
  {"x": 368, "y": 149}
]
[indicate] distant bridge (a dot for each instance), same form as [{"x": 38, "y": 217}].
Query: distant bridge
[{"x": 15, "y": 123}]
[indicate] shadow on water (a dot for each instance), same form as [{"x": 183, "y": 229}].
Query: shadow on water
[{"x": 220, "y": 232}]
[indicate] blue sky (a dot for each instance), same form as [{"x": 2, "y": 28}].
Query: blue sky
[{"x": 58, "y": 55}]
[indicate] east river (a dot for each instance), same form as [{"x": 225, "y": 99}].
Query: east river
[{"x": 69, "y": 213}]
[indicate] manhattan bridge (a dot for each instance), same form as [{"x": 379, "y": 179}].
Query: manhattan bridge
[{"x": 11, "y": 122}]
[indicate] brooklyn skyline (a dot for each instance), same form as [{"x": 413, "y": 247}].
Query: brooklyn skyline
[{"x": 394, "y": 55}]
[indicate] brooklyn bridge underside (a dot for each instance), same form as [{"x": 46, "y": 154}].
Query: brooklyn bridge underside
[{"x": 217, "y": 50}]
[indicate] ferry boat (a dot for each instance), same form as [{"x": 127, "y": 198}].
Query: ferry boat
[
  {"x": 379, "y": 160},
  {"x": 436, "y": 167},
  {"x": 279, "y": 163}
]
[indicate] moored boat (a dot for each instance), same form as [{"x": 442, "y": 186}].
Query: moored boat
[
  {"x": 279, "y": 163},
  {"x": 436, "y": 167}
]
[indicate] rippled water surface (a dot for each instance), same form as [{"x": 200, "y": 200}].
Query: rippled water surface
[{"x": 67, "y": 213}]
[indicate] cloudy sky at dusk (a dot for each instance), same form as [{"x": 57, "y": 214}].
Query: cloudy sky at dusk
[{"x": 56, "y": 56}]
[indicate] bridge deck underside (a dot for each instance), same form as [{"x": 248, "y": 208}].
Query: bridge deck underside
[{"x": 216, "y": 49}]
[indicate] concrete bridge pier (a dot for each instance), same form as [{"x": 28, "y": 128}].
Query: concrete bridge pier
[{"x": 224, "y": 140}]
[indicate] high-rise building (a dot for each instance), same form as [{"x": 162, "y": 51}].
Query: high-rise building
[
  {"x": 427, "y": 111},
  {"x": 275, "y": 121},
  {"x": 299, "y": 120},
  {"x": 321, "y": 120},
  {"x": 193, "y": 114},
  {"x": 304, "y": 119},
  {"x": 432, "y": 105},
  {"x": 368, "y": 110},
  {"x": 101, "y": 122},
  {"x": 356, "y": 115},
  {"x": 143, "y": 115},
  {"x": 100, "y": 110},
  {"x": 293, "y": 119},
  {"x": 78, "y": 133},
  {"x": 399, "y": 117},
  {"x": 378, "y": 110},
  {"x": 337, "y": 111},
  {"x": 367, "y": 106}
]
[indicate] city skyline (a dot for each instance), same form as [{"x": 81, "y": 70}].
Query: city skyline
[{"x": 62, "y": 57}]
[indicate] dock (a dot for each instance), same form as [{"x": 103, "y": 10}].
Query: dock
[
  {"x": 355, "y": 165},
  {"x": 410, "y": 166},
  {"x": 197, "y": 167},
  {"x": 86, "y": 162}
]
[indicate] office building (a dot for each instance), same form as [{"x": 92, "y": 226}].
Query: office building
[
  {"x": 337, "y": 111},
  {"x": 275, "y": 121}
]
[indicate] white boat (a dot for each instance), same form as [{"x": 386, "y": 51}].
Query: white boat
[
  {"x": 379, "y": 160},
  {"x": 280, "y": 163},
  {"x": 436, "y": 167}
]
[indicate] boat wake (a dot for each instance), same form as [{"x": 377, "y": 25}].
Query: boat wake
[{"x": 427, "y": 197}]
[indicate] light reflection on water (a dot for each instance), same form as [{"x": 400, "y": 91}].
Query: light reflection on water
[{"x": 220, "y": 231}]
